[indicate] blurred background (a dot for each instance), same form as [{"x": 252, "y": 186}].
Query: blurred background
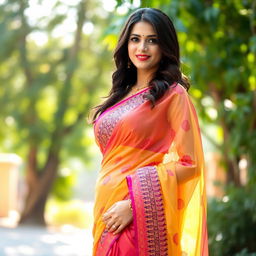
[{"x": 56, "y": 64}]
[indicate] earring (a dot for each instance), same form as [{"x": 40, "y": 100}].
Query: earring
[{"x": 129, "y": 64}]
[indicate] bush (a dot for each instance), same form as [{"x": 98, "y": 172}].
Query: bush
[{"x": 232, "y": 223}]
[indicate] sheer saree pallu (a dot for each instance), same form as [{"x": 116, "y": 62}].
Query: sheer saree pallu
[{"x": 154, "y": 157}]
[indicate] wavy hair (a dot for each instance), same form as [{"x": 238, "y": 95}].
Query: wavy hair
[{"x": 168, "y": 72}]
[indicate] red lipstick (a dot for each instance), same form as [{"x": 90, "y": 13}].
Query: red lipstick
[{"x": 142, "y": 57}]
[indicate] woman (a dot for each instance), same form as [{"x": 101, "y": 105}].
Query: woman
[{"x": 150, "y": 194}]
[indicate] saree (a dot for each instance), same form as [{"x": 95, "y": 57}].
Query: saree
[{"x": 144, "y": 149}]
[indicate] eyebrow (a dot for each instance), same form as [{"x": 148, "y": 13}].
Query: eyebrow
[{"x": 140, "y": 35}]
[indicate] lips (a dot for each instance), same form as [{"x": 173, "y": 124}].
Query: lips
[{"x": 142, "y": 57}]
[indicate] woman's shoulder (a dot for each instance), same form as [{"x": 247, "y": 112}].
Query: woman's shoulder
[
  {"x": 176, "y": 89},
  {"x": 175, "y": 93}
]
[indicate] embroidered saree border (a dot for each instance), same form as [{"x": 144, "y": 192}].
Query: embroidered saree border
[
  {"x": 117, "y": 104},
  {"x": 108, "y": 120},
  {"x": 148, "y": 212}
]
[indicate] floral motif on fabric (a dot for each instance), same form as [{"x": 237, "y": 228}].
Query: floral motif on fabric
[{"x": 109, "y": 119}]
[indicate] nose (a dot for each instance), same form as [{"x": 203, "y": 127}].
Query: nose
[{"x": 143, "y": 45}]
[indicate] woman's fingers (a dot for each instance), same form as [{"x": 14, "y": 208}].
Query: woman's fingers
[
  {"x": 110, "y": 223},
  {"x": 108, "y": 213},
  {"x": 119, "y": 229},
  {"x": 114, "y": 227},
  {"x": 106, "y": 217}
]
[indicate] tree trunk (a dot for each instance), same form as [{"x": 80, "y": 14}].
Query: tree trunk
[
  {"x": 33, "y": 213},
  {"x": 35, "y": 216}
]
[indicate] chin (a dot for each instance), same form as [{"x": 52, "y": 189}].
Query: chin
[{"x": 145, "y": 68}]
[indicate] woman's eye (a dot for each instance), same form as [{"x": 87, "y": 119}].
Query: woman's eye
[
  {"x": 152, "y": 41},
  {"x": 134, "y": 39}
]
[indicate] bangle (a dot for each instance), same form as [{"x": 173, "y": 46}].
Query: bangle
[{"x": 130, "y": 204}]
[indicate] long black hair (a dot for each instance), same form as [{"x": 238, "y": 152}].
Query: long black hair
[{"x": 168, "y": 72}]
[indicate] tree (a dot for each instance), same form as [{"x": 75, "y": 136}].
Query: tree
[{"x": 51, "y": 87}]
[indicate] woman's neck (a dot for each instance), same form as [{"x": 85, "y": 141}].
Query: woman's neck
[{"x": 143, "y": 78}]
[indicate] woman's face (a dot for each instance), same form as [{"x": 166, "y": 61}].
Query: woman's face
[{"x": 143, "y": 49}]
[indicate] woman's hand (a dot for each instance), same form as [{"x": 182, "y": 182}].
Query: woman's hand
[{"x": 118, "y": 216}]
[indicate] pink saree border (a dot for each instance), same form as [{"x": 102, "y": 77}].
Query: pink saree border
[
  {"x": 117, "y": 104},
  {"x": 204, "y": 241},
  {"x": 106, "y": 242},
  {"x": 129, "y": 183},
  {"x": 148, "y": 212},
  {"x": 111, "y": 244}
]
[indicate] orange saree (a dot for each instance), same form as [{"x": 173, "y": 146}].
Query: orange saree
[{"x": 144, "y": 150}]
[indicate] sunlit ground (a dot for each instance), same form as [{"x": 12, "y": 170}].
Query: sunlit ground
[
  {"x": 65, "y": 240},
  {"x": 38, "y": 241}
]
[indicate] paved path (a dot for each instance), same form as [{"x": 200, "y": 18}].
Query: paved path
[{"x": 30, "y": 241}]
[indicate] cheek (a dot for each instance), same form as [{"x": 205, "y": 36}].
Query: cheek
[
  {"x": 158, "y": 54},
  {"x": 160, "y": 57},
  {"x": 130, "y": 49}
]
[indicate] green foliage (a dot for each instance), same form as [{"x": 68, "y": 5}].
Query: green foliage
[
  {"x": 73, "y": 212},
  {"x": 50, "y": 80},
  {"x": 232, "y": 222},
  {"x": 63, "y": 186}
]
